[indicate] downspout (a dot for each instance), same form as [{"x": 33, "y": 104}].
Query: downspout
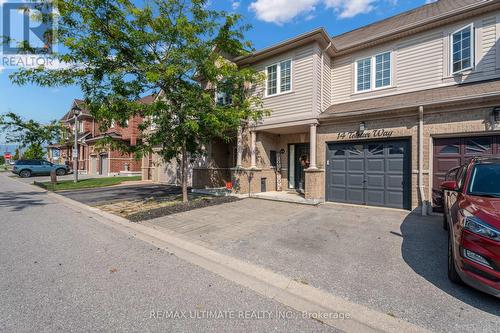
[{"x": 421, "y": 160}]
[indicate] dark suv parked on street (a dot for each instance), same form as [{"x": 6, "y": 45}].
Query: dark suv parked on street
[{"x": 28, "y": 168}]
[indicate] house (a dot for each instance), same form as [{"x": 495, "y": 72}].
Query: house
[
  {"x": 155, "y": 169},
  {"x": 93, "y": 158},
  {"x": 375, "y": 116}
]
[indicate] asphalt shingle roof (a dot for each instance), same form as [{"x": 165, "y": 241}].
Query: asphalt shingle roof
[
  {"x": 430, "y": 97},
  {"x": 410, "y": 18}
]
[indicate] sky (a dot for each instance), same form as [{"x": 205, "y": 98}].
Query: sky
[{"x": 272, "y": 22}]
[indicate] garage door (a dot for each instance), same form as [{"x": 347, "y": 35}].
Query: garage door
[
  {"x": 369, "y": 173},
  {"x": 453, "y": 152}
]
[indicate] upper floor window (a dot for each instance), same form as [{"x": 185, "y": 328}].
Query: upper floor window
[
  {"x": 383, "y": 70},
  {"x": 279, "y": 78},
  {"x": 462, "y": 49},
  {"x": 364, "y": 74},
  {"x": 373, "y": 72},
  {"x": 223, "y": 99}
]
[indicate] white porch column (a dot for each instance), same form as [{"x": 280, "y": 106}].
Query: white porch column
[
  {"x": 239, "y": 148},
  {"x": 253, "y": 150},
  {"x": 312, "y": 147}
]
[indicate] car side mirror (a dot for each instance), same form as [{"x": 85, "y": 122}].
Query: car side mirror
[{"x": 449, "y": 185}]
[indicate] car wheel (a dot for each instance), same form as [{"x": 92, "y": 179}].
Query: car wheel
[
  {"x": 60, "y": 172},
  {"x": 452, "y": 269},
  {"x": 25, "y": 174}
]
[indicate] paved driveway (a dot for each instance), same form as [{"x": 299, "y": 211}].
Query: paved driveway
[
  {"x": 122, "y": 192},
  {"x": 391, "y": 261}
]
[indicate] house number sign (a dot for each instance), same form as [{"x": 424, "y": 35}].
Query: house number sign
[{"x": 378, "y": 133}]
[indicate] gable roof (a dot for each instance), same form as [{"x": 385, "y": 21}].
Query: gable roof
[
  {"x": 439, "y": 12},
  {"x": 317, "y": 35},
  {"x": 431, "y": 97}
]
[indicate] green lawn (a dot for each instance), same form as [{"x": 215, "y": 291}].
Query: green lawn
[{"x": 87, "y": 183}]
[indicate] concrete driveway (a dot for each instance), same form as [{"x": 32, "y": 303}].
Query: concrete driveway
[
  {"x": 121, "y": 192},
  {"x": 391, "y": 261}
]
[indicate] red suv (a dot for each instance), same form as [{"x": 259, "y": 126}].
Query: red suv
[{"x": 472, "y": 218}]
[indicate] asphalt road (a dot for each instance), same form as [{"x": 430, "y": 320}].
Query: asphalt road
[
  {"x": 122, "y": 192},
  {"x": 60, "y": 270}
]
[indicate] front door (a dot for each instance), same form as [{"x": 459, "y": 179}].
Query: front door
[
  {"x": 93, "y": 165},
  {"x": 104, "y": 164},
  {"x": 296, "y": 154}
]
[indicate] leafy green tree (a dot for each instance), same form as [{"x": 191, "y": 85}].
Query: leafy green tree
[
  {"x": 118, "y": 51},
  {"x": 2, "y": 160},
  {"x": 16, "y": 155},
  {"x": 33, "y": 152},
  {"x": 29, "y": 133}
]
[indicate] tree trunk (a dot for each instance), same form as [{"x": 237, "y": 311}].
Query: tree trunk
[{"x": 184, "y": 170}]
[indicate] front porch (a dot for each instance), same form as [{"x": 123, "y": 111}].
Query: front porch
[{"x": 275, "y": 162}]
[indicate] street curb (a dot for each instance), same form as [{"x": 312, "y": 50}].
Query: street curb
[{"x": 301, "y": 297}]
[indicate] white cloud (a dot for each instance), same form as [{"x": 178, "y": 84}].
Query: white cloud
[
  {"x": 350, "y": 8},
  {"x": 235, "y": 5},
  {"x": 282, "y": 11},
  {"x": 430, "y": 1}
]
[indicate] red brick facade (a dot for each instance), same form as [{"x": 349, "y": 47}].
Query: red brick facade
[{"x": 91, "y": 158}]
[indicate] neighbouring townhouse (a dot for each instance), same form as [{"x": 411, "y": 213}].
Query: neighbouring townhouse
[
  {"x": 375, "y": 116},
  {"x": 93, "y": 158}
]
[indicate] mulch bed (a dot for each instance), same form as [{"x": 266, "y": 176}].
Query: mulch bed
[{"x": 179, "y": 208}]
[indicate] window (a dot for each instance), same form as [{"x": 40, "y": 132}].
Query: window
[
  {"x": 485, "y": 180},
  {"x": 279, "y": 78},
  {"x": 462, "y": 49},
  {"x": 373, "y": 72},
  {"x": 273, "y": 158},
  {"x": 383, "y": 70},
  {"x": 286, "y": 75},
  {"x": 223, "y": 99},
  {"x": 364, "y": 74}
]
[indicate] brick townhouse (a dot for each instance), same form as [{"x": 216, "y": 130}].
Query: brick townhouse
[
  {"x": 93, "y": 159},
  {"x": 375, "y": 116}
]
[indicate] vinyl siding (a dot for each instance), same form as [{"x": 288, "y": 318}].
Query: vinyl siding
[
  {"x": 422, "y": 61},
  {"x": 302, "y": 101}
]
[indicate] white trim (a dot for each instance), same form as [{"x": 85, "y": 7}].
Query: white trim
[
  {"x": 373, "y": 72},
  {"x": 278, "y": 78},
  {"x": 472, "y": 49},
  {"x": 497, "y": 44}
]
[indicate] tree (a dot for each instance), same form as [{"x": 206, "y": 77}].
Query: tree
[
  {"x": 34, "y": 152},
  {"x": 29, "y": 133},
  {"x": 2, "y": 160},
  {"x": 16, "y": 155},
  {"x": 119, "y": 51}
]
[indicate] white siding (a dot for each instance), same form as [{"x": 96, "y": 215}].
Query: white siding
[{"x": 422, "y": 61}]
